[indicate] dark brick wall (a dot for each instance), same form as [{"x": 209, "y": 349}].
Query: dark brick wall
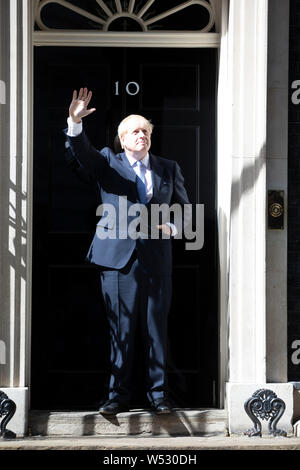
[{"x": 294, "y": 196}]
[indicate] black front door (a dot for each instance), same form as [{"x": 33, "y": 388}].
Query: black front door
[{"x": 70, "y": 345}]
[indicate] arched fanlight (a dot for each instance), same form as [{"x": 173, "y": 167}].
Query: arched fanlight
[{"x": 110, "y": 12}]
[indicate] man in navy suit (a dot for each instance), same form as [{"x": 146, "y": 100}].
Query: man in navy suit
[{"x": 135, "y": 269}]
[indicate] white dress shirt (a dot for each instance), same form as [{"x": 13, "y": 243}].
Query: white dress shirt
[{"x": 147, "y": 172}]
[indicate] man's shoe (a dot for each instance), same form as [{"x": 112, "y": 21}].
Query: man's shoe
[
  {"x": 113, "y": 407},
  {"x": 161, "y": 406}
]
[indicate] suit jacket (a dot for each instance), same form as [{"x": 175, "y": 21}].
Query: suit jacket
[{"x": 116, "y": 181}]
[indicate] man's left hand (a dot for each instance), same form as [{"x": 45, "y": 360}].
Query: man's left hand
[{"x": 165, "y": 228}]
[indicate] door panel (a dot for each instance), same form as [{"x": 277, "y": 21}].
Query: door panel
[
  {"x": 176, "y": 86},
  {"x": 70, "y": 344}
]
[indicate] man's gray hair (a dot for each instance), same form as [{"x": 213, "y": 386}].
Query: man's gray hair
[{"x": 123, "y": 126}]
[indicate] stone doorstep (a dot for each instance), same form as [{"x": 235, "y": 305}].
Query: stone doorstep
[
  {"x": 181, "y": 422},
  {"x": 116, "y": 444}
]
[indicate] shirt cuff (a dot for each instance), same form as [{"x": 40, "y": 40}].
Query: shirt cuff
[
  {"x": 174, "y": 230},
  {"x": 74, "y": 128}
]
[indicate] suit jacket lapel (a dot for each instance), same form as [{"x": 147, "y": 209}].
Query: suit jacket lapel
[
  {"x": 128, "y": 171},
  {"x": 157, "y": 174}
]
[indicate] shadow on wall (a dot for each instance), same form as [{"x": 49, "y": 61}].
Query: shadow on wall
[
  {"x": 13, "y": 209},
  {"x": 249, "y": 172}
]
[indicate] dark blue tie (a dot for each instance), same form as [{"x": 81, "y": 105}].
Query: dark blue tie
[{"x": 140, "y": 182}]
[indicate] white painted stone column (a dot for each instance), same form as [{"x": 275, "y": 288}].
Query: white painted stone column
[
  {"x": 15, "y": 118},
  {"x": 248, "y": 29},
  {"x": 246, "y": 147}
]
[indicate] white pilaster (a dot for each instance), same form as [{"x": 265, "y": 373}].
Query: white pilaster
[
  {"x": 248, "y": 63},
  {"x": 246, "y": 156},
  {"x": 15, "y": 118}
]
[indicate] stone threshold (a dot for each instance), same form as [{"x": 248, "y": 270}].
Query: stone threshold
[
  {"x": 115, "y": 445},
  {"x": 181, "y": 422}
]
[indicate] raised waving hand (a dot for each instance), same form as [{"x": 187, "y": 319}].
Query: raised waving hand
[{"x": 79, "y": 105}]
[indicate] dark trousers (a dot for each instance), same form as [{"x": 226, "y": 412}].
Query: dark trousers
[{"x": 133, "y": 297}]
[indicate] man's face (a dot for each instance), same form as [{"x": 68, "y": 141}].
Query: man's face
[{"x": 137, "y": 139}]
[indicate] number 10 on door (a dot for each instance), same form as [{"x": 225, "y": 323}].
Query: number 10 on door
[{"x": 131, "y": 88}]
